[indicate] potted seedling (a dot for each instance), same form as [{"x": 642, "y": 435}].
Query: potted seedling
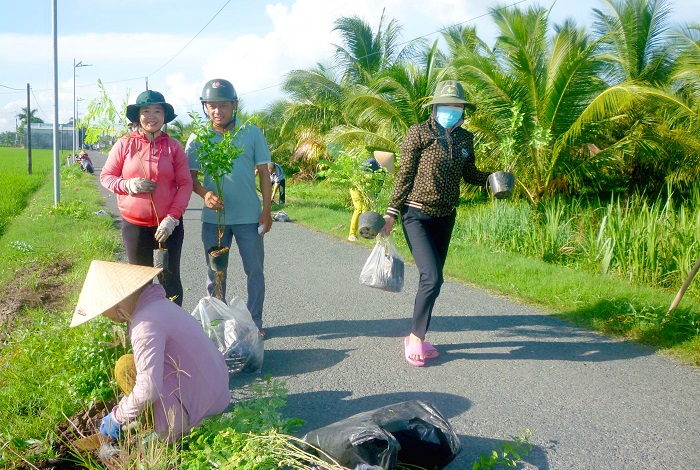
[
  {"x": 502, "y": 182},
  {"x": 350, "y": 169},
  {"x": 216, "y": 159}
]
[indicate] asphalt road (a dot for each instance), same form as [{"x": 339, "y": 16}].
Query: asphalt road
[{"x": 592, "y": 402}]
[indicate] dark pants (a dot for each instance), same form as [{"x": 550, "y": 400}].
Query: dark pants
[
  {"x": 139, "y": 243},
  {"x": 283, "y": 191},
  {"x": 428, "y": 239}
]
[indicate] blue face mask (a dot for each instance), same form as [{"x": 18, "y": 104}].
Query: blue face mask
[{"x": 448, "y": 116}]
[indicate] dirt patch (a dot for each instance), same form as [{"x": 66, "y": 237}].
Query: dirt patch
[{"x": 34, "y": 286}]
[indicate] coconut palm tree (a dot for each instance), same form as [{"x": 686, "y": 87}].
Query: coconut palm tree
[
  {"x": 638, "y": 61},
  {"x": 529, "y": 90},
  {"x": 32, "y": 117},
  {"x": 364, "y": 54},
  {"x": 380, "y": 113},
  {"x": 313, "y": 107}
]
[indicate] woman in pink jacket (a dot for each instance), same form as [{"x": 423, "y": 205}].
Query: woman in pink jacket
[
  {"x": 176, "y": 372},
  {"x": 149, "y": 172}
]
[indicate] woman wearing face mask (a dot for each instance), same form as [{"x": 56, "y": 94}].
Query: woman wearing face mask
[
  {"x": 150, "y": 174},
  {"x": 435, "y": 156}
]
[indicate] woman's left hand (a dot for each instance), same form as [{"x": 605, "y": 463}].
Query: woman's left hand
[{"x": 388, "y": 225}]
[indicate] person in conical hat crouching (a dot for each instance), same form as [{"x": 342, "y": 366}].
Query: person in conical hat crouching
[{"x": 176, "y": 369}]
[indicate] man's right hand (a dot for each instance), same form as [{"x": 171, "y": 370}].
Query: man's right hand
[
  {"x": 212, "y": 201},
  {"x": 140, "y": 185}
]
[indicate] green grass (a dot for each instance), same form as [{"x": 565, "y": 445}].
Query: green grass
[
  {"x": 486, "y": 253},
  {"x": 16, "y": 184},
  {"x": 47, "y": 370}
]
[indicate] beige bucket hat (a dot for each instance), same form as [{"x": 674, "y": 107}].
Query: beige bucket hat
[
  {"x": 107, "y": 284},
  {"x": 450, "y": 92},
  {"x": 385, "y": 160}
]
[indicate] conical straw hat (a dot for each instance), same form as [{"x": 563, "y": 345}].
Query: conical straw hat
[
  {"x": 107, "y": 284},
  {"x": 385, "y": 160}
]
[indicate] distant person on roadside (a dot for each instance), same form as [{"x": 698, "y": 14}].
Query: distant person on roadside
[
  {"x": 85, "y": 162},
  {"x": 278, "y": 182},
  {"x": 245, "y": 220},
  {"x": 149, "y": 172},
  {"x": 380, "y": 160},
  {"x": 176, "y": 375},
  {"x": 436, "y": 156}
]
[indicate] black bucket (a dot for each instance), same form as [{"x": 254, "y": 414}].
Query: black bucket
[
  {"x": 370, "y": 223},
  {"x": 501, "y": 183}
]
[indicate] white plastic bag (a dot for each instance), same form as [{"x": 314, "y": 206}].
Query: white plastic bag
[
  {"x": 232, "y": 329},
  {"x": 384, "y": 268}
]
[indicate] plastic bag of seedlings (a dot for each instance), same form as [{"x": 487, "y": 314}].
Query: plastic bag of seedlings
[
  {"x": 412, "y": 433},
  {"x": 232, "y": 329},
  {"x": 384, "y": 269}
]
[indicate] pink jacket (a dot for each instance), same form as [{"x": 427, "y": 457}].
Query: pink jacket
[
  {"x": 168, "y": 167},
  {"x": 178, "y": 367}
]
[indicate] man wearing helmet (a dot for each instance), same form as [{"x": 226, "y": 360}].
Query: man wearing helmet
[{"x": 245, "y": 220}]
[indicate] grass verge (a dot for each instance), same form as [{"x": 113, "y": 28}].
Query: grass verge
[{"x": 48, "y": 371}]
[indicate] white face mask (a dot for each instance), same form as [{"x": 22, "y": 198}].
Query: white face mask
[{"x": 447, "y": 115}]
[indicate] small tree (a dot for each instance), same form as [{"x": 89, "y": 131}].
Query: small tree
[
  {"x": 350, "y": 170},
  {"x": 103, "y": 119},
  {"x": 215, "y": 158}
]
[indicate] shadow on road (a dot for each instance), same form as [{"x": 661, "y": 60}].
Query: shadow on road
[{"x": 548, "y": 342}]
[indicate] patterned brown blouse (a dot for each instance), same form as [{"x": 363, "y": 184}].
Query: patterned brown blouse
[{"x": 433, "y": 162}]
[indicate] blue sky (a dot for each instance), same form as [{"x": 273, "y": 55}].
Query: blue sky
[{"x": 252, "y": 43}]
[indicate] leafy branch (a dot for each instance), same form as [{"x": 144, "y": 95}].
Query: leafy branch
[
  {"x": 350, "y": 170},
  {"x": 215, "y": 158},
  {"x": 507, "y": 453}
]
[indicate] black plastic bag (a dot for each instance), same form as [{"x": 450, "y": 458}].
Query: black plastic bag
[{"x": 411, "y": 432}]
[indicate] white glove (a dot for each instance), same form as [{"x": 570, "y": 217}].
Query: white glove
[
  {"x": 140, "y": 185},
  {"x": 165, "y": 228}
]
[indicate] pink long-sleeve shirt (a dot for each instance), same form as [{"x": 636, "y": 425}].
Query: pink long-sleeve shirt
[
  {"x": 163, "y": 161},
  {"x": 178, "y": 367}
]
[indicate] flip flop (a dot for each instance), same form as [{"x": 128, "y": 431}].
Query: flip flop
[
  {"x": 429, "y": 351},
  {"x": 412, "y": 349}
]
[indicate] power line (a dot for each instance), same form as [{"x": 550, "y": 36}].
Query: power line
[
  {"x": 190, "y": 41},
  {"x": 36, "y": 100},
  {"x": 402, "y": 43},
  {"x": 10, "y": 88},
  {"x": 280, "y": 83}
]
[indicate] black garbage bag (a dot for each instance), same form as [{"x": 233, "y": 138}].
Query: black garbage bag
[{"x": 411, "y": 432}]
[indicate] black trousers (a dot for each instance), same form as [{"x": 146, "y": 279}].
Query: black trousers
[
  {"x": 139, "y": 243},
  {"x": 428, "y": 239},
  {"x": 283, "y": 190}
]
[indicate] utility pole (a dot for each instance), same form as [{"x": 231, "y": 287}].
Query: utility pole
[
  {"x": 75, "y": 105},
  {"x": 56, "y": 163},
  {"x": 29, "y": 134}
]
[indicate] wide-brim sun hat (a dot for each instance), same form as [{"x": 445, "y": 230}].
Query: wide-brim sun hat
[
  {"x": 450, "y": 92},
  {"x": 386, "y": 160},
  {"x": 148, "y": 98},
  {"x": 108, "y": 283}
]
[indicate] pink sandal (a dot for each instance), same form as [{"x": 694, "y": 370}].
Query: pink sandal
[
  {"x": 415, "y": 349},
  {"x": 429, "y": 351}
]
